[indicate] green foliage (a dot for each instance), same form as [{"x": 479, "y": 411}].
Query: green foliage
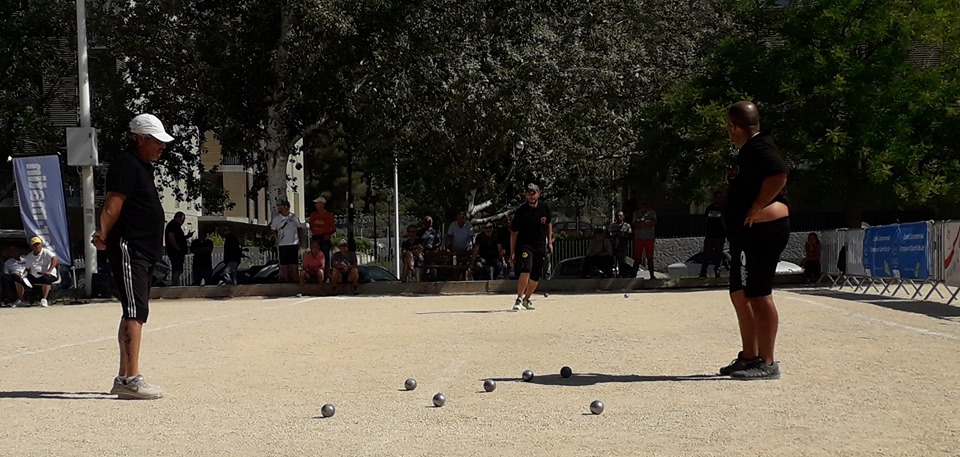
[{"x": 836, "y": 83}]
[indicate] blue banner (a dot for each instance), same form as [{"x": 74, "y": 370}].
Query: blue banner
[
  {"x": 897, "y": 251},
  {"x": 880, "y": 250},
  {"x": 913, "y": 254},
  {"x": 42, "y": 207}
]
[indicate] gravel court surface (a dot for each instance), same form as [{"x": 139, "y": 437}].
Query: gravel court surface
[{"x": 248, "y": 377}]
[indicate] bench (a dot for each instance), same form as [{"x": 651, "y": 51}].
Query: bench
[{"x": 440, "y": 266}]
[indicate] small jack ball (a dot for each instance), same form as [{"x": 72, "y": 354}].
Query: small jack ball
[
  {"x": 439, "y": 400},
  {"x": 527, "y": 375},
  {"x": 596, "y": 407},
  {"x": 489, "y": 385},
  {"x": 328, "y": 410},
  {"x": 566, "y": 372},
  {"x": 410, "y": 384}
]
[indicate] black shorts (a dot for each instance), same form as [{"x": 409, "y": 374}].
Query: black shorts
[
  {"x": 176, "y": 261},
  {"x": 289, "y": 255},
  {"x": 754, "y": 255},
  {"x": 133, "y": 272},
  {"x": 531, "y": 261},
  {"x": 45, "y": 279}
]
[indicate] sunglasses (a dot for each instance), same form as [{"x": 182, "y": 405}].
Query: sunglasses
[{"x": 531, "y": 192}]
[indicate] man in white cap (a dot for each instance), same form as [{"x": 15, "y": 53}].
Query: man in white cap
[
  {"x": 322, "y": 226},
  {"x": 41, "y": 268},
  {"x": 131, "y": 231}
]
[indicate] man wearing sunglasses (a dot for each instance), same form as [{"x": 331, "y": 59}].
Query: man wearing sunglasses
[{"x": 531, "y": 241}]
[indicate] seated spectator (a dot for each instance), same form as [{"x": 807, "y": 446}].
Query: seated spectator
[
  {"x": 202, "y": 249},
  {"x": 15, "y": 273},
  {"x": 41, "y": 266},
  {"x": 314, "y": 264},
  {"x": 412, "y": 247},
  {"x": 344, "y": 268},
  {"x": 460, "y": 236},
  {"x": 504, "y": 239},
  {"x": 811, "y": 259},
  {"x": 619, "y": 233},
  {"x": 487, "y": 252},
  {"x": 599, "y": 256},
  {"x": 429, "y": 237}
]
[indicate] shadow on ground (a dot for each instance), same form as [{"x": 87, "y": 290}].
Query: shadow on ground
[
  {"x": 470, "y": 311},
  {"x": 34, "y": 394},
  {"x": 589, "y": 379},
  {"x": 931, "y": 309}
]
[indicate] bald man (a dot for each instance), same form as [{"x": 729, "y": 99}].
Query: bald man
[{"x": 758, "y": 227}]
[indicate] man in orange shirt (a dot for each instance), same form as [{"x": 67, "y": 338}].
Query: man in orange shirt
[
  {"x": 314, "y": 263},
  {"x": 322, "y": 226}
]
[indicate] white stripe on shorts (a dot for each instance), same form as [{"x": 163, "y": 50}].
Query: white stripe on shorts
[{"x": 127, "y": 273}]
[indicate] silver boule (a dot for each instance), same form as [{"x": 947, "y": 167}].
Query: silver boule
[
  {"x": 527, "y": 375},
  {"x": 439, "y": 400},
  {"x": 328, "y": 410},
  {"x": 596, "y": 407},
  {"x": 410, "y": 384},
  {"x": 489, "y": 385}
]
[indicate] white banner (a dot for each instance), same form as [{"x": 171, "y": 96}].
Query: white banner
[
  {"x": 830, "y": 244},
  {"x": 951, "y": 253},
  {"x": 855, "y": 253}
]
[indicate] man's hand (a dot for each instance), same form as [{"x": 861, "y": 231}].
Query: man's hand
[
  {"x": 98, "y": 241},
  {"x": 752, "y": 215},
  {"x": 550, "y": 248}
]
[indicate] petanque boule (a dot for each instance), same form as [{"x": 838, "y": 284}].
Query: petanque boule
[
  {"x": 566, "y": 372},
  {"x": 410, "y": 384},
  {"x": 626, "y": 296},
  {"x": 596, "y": 407},
  {"x": 328, "y": 410},
  {"x": 527, "y": 375},
  {"x": 439, "y": 400},
  {"x": 489, "y": 385},
  {"x": 546, "y": 295}
]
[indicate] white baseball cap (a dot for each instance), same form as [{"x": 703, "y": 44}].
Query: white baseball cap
[
  {"x": 320, "y": 199},
  {"x": 148, "y": 124}
]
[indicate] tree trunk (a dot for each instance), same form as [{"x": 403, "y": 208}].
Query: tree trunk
[{"x": 277, "y": 146}]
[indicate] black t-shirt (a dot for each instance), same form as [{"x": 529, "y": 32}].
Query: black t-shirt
[
  {"x": 489, "y": 248},
  {"x": 202, "y": 253},
  {"x": 531, "y": 224},
  {"x": 410, "y": 245},
  {"x": 232, "y": 250},
  {"x": 174, "y": 228},
  {"x": 758, "y": 159},
  {"x": 140, "y": 222},
  {"x": 504, "y": 237},
  {"x": 714, "y": 214}
]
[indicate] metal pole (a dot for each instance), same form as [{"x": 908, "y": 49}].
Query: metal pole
[
  {"x": 89, "y": 210},
  {"x": 395, "y": 243}
]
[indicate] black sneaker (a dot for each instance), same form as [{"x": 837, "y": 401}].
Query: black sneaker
[
  {"x": 757, "y": 371},
  {"x": 737, "y": 364}
]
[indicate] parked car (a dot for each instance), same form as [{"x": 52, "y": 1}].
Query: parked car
[
  {"x": 373, "y": 273},
  {"x": 571, "y": 269},
  {"x": 691, "y": 268},
  {"x": 571, "y": 227}
]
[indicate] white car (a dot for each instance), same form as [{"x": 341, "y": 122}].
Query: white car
[
  {"x": 571, "y": 268},
  {"x": 691, "y": 268}
]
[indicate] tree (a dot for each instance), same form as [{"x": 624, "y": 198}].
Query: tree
[{"x": 841, "y": 84}]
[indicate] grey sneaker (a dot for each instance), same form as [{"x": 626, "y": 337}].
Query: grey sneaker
[
  {"x": 528, "y": 304},
  {"x": 737, "y": 364},
  {"x": 117, "y": 386},
  {"x": 17, "y": 303},
  {"x": 757, "y": 371},
  {"x": 518, "y": 304},
  {"x": 138, "y": 389}
]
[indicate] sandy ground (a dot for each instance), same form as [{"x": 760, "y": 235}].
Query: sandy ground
[{"x": 249, "y": 376}]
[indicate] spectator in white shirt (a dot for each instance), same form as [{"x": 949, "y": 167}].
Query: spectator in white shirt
[
  {"x": 288, "y": 229},
  {"x": 41, "y": 268},
  {"x": 460, "y": 235},
  {"x": 14, "y": 271}
]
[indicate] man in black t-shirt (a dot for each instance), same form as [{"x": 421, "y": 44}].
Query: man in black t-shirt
[
  {"x": 531, "y": 241},
  {"x": 715, "y": 237},
  {"x": 487, "y": 252},
  {"x": 131, "y": 230},
  {"x": 202, "y": 250},
  {"x": 176, "y": 246},
  {"x": 757, "y": 221}
]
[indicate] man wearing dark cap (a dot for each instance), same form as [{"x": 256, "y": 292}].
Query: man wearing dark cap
[
  {"x": 288, "y": 229},
  {"x": 131, "y": 231},
  {"x": 531, "y": 241},
  {"x": 757, "y": 220}
]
